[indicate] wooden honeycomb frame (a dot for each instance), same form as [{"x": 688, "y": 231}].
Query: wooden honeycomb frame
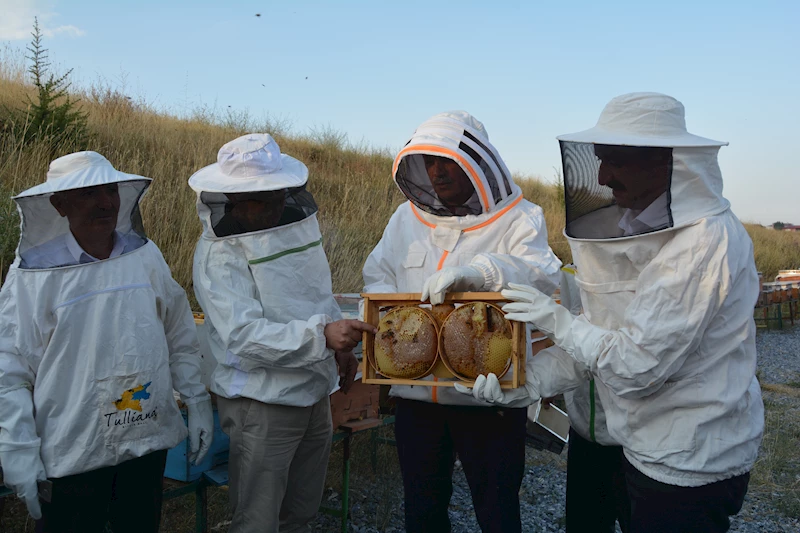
[{"x": 373, "y": 303}]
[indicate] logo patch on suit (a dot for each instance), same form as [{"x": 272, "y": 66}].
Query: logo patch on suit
[{"x": 130, "y": 411}]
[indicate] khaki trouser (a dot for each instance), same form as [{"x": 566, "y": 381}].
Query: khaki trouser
[{"x": 277, "y": 464}]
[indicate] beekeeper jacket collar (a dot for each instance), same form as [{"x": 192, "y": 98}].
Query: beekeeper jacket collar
[
  {"x": 43, "y": 230},
  {"x": 458, "y": 136},
  {"x": 506, "y": 242},
  {"x": 667, "y": 328},
  {"x": 266, "y": 294}
]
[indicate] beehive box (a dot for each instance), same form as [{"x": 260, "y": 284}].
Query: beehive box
[
  {"x": 179, "y": 467},
  {"x": 360, "y": 402},
  {"x": 375, "y": 303}
]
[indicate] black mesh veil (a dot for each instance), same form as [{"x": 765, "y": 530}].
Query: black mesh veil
[
  {"x": 413, "y": 180},
  {"x": 298, "y": 204},
  {"x": 616, "y": 191},
  {"x": 45, "y": 240}
]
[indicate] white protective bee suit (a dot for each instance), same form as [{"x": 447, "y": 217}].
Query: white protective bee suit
[
  {"x": 500, "y": 234},
  {"x": 668, "y": 295},
  {"x": 487, "y": 237},
  {"x": 266, "y": 292},
  {"x": 90, "y": 351}
]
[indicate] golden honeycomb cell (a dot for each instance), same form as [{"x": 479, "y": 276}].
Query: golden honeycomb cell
[
  {"x": 406, "y": 344},
  {"x": 440, "y": 312},
  {"x": 476, "y": 339}
]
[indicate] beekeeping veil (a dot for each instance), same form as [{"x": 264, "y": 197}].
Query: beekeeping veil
[
  {"x": 44, "y": 231},
  {"x": 639, "y": 171},
  {"x": 459, "y": 137},
  {"x": 251, "y": 187}
]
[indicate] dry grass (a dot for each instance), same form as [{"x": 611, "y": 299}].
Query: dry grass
[
  {"x": 776, "y": 474},
  {"x": 774, "y": 250}
]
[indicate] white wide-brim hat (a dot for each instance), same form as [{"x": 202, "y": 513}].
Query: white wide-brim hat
[
  {"x": 79, "y": 170},
  {"x": 642, "y": 119},
  {"x": 250, "y": 163}
]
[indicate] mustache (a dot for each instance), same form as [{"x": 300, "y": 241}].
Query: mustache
[
  {"x": 102, "y": 213},
  {"x": 616, "y": 185}
]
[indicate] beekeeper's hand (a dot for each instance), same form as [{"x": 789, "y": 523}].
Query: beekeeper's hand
[
  {"x": 534, "y": 307},
  {"x": 201, "y": 430},
  {"x": 348, "y": 366},
  {"x": 453, "y": 279},
  {"x": 487, "y": 389},
  {"x": 22, "y": 469},
  {"x": 344, "y": 335}
]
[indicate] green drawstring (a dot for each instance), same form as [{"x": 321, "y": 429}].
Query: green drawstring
[
  {"x": 285, "y": 252},
  {"x": 591, "y": 410}
]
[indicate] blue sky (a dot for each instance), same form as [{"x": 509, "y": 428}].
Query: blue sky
[{"x": 528, "y": 70}]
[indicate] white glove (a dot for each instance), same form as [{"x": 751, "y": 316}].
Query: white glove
[
  {"x": 487, "y": 389},
  {"x": 574, "y": 335},
  {"x": 22, "y": 469},
  {"x": 455, "y": 279},
  {"x": 536, "y": 308},
  {"x": 201, "y": 430}
]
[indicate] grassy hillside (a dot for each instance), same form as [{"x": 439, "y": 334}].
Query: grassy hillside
[{"x": 353, "y": 187}]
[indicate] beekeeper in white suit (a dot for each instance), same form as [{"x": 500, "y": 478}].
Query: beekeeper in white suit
[
  {"x": 94, "y": 336},
  {"x": 466, "y": 227},
  {"x": 263, "y": 281},
  {"x": 668, "y": 284}
]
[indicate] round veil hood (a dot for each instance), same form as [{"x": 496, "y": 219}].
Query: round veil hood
[
  {"x": 251, "y": 166},
  {"x": 639, "y": 123},
  {"x": 42, "y": 224},
  {"x": 458, "y": 136}
]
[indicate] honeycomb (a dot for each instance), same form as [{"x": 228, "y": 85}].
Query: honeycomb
[
  {"x": 406, "y": 343},
  {"x": 440, "y": 312},
  {"x": 476, "y": 339}
]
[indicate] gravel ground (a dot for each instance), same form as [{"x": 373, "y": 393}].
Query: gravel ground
[
  {"x": 779, "y": 355},
  {"x": 543, "y": 489},
  {"x": 541, "y": 501}
]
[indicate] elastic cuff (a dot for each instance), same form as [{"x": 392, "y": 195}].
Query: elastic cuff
[
  {"x": 196, "y": 399},
  {"x": 486, "y": 272},
  {"x": 586, "y": 340}
]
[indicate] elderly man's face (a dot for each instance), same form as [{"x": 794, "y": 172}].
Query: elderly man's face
[
  {"x": 257, "y": 210},
  {"x": 636, "y": 175},
  {"x": 91, "y": 211},
  {"x": 450, "y": 183}
]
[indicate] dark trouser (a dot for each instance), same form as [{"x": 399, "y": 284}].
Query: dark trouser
[
  {"x": 490, "y": 443},
  {"x": 127, "y": 495},
  {"x": 660, "y": 508},
  {"x": 596, "y": 493}
]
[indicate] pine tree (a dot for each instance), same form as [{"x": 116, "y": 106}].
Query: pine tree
[{"x": 53, "y": 115}]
